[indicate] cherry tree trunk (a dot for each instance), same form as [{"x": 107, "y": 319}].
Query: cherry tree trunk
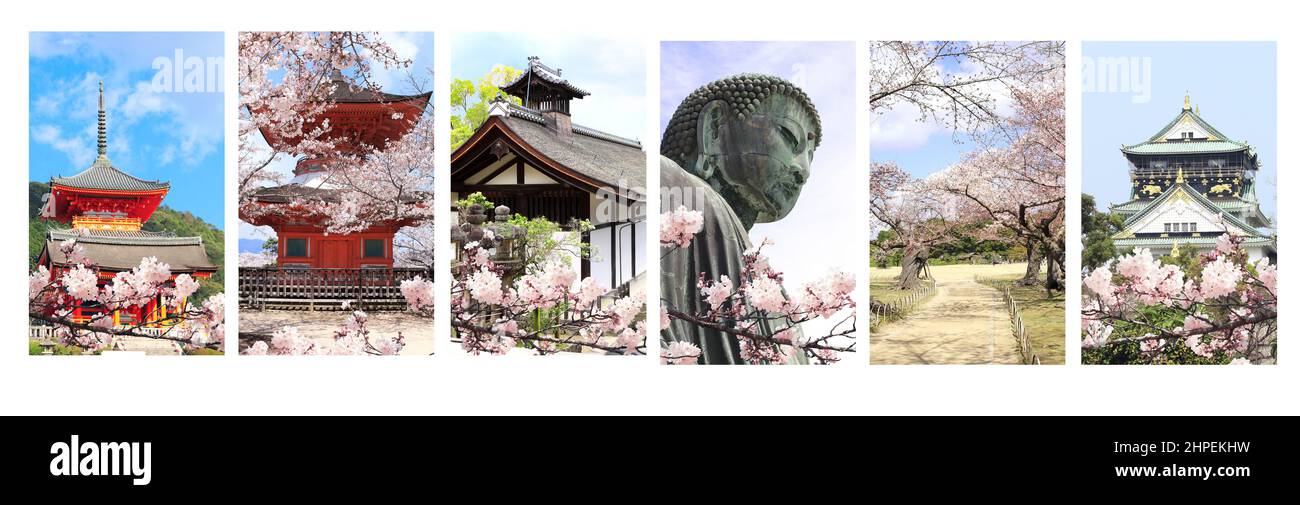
[
  {"x": 1055, "y": 271},
  {"x": 913, "y": 263},
  {"x": 1034, "y": 257}
]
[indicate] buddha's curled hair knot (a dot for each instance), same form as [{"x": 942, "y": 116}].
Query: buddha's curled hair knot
[{"x": 743, "y": 93}]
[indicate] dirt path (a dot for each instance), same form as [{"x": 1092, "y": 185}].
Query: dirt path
[{"x": 964, "y": 323}]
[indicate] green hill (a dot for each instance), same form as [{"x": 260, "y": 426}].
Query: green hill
[{"x": 165, "y": 219}]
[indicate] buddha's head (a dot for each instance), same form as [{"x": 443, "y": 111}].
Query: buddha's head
[{"x": 751, "y": 137}]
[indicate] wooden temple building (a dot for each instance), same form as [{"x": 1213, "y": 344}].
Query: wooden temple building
[
  {"x": 316, "y": 269},
  {"x": 1190, "y": 184},
  {"x": 533, "y": 158},
  {"x": 106, "y": 209}
]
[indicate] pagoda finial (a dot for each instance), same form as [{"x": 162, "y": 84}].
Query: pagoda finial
[
  {"x": 1187, "y": 101},
  {"x": 103, "y": 125}
]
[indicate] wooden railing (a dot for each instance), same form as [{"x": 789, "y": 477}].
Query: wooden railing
[
  {"x": 1027, "y": 354},
  {"x": 888, "y": 311},
  {"x": 370, "y": 289}
]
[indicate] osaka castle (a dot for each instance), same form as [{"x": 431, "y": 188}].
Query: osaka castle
[
  {"x": 538, "y": 161},
  {"x": 1190, "y": 184},
  {"x": 357, "y": 118},
  {"x": 107, "y": 209}
]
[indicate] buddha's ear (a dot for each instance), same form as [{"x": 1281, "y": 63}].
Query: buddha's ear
[{"x": 712, "y": 120}]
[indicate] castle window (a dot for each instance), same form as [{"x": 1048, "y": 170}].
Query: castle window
[
  {"x": 1193, "y": 227},
  {"x": 1167, "y": 226}
]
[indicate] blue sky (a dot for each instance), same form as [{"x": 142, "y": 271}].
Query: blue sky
[
  {"x": 414, "y": 46},
  {"x": 611, "y": 69},
  {"x": 1234, "y": 83},
  {"x": 920, "y": 147},
  {"x": 153, "y": 133},
  {"x": 826, "y": 72}
]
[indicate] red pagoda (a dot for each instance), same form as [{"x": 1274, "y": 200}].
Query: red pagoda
[
  {"x": 107, "y": 209},
  {"x": 357, "y": 118}
]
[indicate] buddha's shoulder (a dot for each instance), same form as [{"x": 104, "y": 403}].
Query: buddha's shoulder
[{"x": 673, "y": 175}]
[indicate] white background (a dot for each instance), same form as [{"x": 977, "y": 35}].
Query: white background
[{"x": 453, "y": 383}]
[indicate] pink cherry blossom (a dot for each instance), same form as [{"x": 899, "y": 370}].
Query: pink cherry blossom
[
  {"x": 715, "y": 293},
  {"x": 678, "y": 228},
  {"x": 418, "y": 292},
  {"x": 258, "y": 348},
  {"x": 81, "y": 283},
  {"x": 1224, "y": 310},
  {"x": 765, "y": 294},
  {"x": 1098, "y": 334},
  {"x": 588, "y": 292},
  {"x": 680, "y": 353},
  {"x": 573, "y": 312},
  {"x": 37, "y": 282},
  {"x": 1219, "y": 278},
  {"x": 485, "y": 286},
  {"x": 185, "y": 286}
]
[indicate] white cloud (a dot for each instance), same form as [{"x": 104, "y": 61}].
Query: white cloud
[
  {"x": 77, "y": 149},
  {"x": 46, "y": 105},
  {"x": 144, "y": 101},
  {"x": 193, "y": 144},
  {"x": 900, "y": 129},
  {"x": 50, "y": 44},
  {"x": 185, "y": 134}
]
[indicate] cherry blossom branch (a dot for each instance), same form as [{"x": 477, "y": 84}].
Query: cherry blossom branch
[{"x": 814, "y": 344}]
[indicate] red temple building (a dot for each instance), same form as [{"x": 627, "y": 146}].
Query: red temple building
[
  {"x": 357, "y": 118},
  {"x": 106, "y": 209}
]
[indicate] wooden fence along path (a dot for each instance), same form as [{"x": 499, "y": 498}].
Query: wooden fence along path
[
  {"x": 371, "y": 289},
  {"x": 881, "y": 312},
  {"x": 1027, "y": 353}
]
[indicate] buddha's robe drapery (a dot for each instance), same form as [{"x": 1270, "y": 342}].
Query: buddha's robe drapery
[{"x": 716, "y": 251}]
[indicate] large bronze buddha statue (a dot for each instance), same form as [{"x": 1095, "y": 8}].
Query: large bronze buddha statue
[{"x": 738, "y": 150}]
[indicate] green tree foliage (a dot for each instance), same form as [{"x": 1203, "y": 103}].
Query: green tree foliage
[
  {"x": 961, "y": 250},
  {"x": 540, "y": 235},
  {"x": 1097, "y": 228},
  {"x": 470, "y": 101},
  {"x": 165, "y": 219}
]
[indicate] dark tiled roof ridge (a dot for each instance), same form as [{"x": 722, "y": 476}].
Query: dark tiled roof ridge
[
  {"x": 344, "y": 92},
  {"x": 103, "y": 175},
  {"x": 528, "y": 114},
  {"x": 142, "y": 238},
  {"x": 536, "y": 67}
]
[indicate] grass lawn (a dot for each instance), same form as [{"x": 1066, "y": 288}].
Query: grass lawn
[
  {"x": 1044, "y": 319},
  {"x": 883, "y": 289}
]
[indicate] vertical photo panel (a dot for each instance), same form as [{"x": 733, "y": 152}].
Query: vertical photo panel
[
  {"x": 968, "y": 202},
  {"x": 757, "y": 191},
  {"x": 548, "y": 190},
  {"x": 1178, "y": 204},
  {"x": 126, "y": 212},
  {"x": 336, "y": 164}
]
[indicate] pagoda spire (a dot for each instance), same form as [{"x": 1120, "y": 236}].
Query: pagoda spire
[
  {"x": 1187, "y": 101},
  {"x": 103, "y": 125}
]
